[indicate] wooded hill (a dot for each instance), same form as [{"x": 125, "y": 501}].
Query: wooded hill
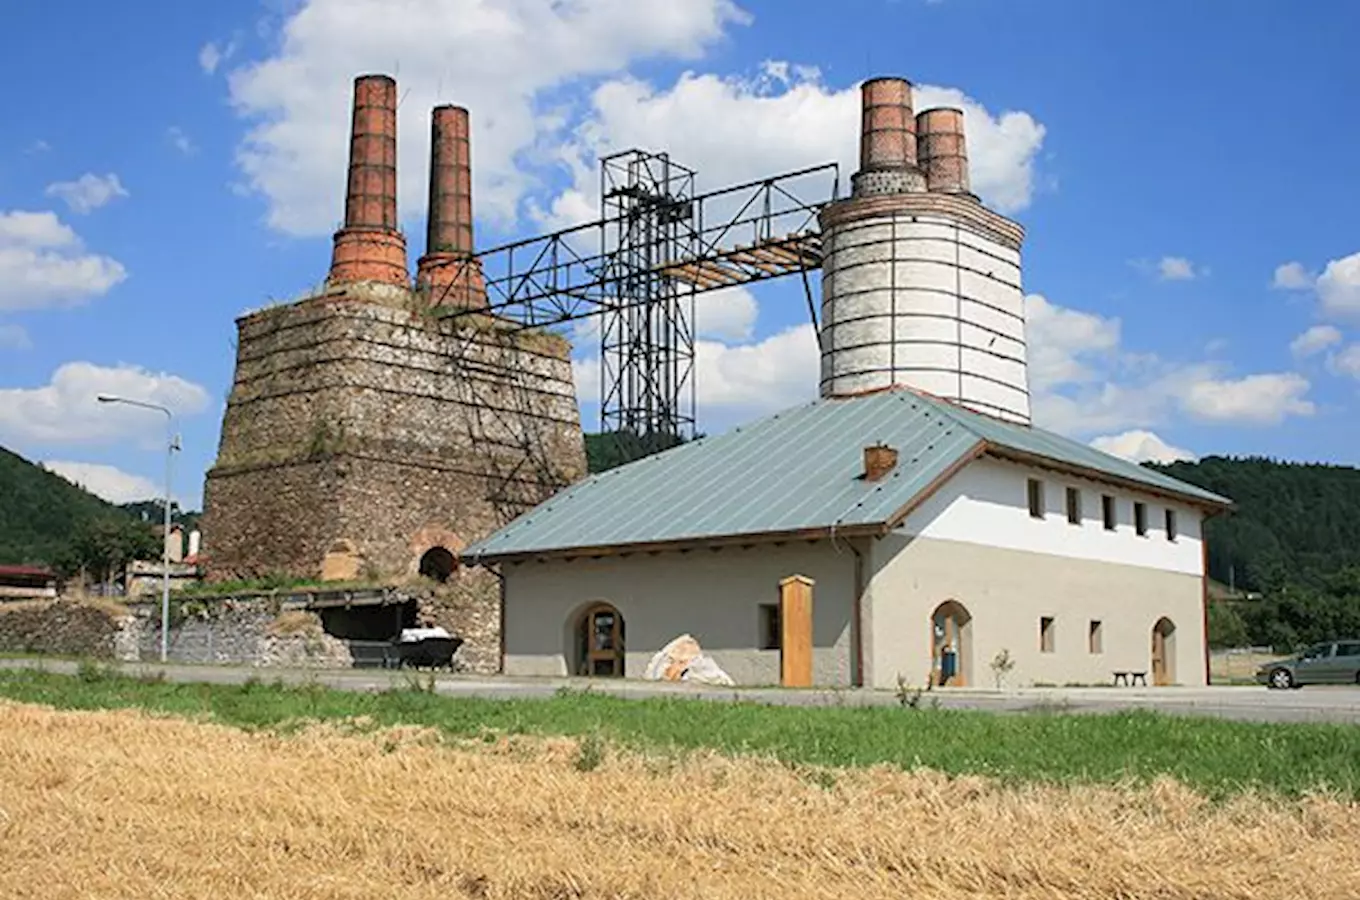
[
  {"x": 48, "y": 521},
  {"x": 1294, "y": 538}
]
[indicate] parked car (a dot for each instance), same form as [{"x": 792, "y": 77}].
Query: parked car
[{"x": 1331, "y": 662}]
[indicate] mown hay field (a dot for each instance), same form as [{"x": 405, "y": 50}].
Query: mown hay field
[{"x": 126, "y": 804}]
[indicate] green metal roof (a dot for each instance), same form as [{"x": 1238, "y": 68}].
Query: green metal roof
[{"x": 795, "y": 472}]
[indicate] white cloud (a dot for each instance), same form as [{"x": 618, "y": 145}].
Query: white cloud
[
  {"x": 38, "y": 146},
  {"x": 728, "y": 314},
  {"x": 737, "y": 129},
  {"x": 210, "y": 56},
  {"x": 735, "y": 383},
  {"x": 508, "y": 62},
  {"x": 1346, "y": 362},
  {"x": 88, "y": 192},
  {"x": 1338, "y": 287},
  {"x": 180, "y": 140},
  {"x": 1315, "y": 340},
  {"x": 1141, "y": 446},
  {"x": 43, "y": 263},
  {"x": 497, "y": 58},
  {"x": 66, "y": 411},
  {"x": 1065, "y": 343},
  {"x": 14, "y": 337},
  {"x": 108, "y": 482},
  {"x": 1265, "y": 399},
  {"x": 1083, "y": 381},
  {"x": 1292, "y": 276},
  {"x": 1175, "y": 268}
]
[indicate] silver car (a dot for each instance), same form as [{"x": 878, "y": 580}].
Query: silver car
[{"x": 1331, "y": 662}]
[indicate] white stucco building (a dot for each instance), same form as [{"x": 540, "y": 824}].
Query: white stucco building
[
  {"x": 940, "y": 528},
  {"x": 984, "y": 534}
]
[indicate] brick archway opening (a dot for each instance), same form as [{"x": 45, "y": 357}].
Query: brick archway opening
[{"x": 438, "y": 564}]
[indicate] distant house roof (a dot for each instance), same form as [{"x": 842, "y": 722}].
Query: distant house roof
[
  {"x": 7, "y": 571},
  {"x": 797, "y": 474}
]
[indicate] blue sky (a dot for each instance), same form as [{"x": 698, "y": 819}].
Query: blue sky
[{"x": 1166, "y": 158}]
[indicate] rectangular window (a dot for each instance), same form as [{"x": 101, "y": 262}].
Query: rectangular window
[
  {"x": 1095, "y": 638},
  {"x": 1140, "y": 519},
  {"x": 1107, "y": 507},
  {"x": 1046, "y": 634},
  {"x": 1170, "y": 524},
  {"x": 1349, "y": 649},
  {"x": 1074, "y": 506},
  {"x": 770, "y": 636},
  {"x": 1036, "y": 498}
]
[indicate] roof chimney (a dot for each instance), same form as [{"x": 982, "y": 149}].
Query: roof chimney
[
  {"x": 879, "y": 460},
  {"x": 448, "y": 268},
  {"x": 887, "y": 142},
  {"x": 943, "y": 150},
  {"x": 370, "y": 247}
]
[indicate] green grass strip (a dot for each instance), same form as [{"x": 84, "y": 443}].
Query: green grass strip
[{"x": 1218, "y": 757}]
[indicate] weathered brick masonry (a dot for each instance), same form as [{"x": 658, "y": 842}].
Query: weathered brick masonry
[
  {"x": 362, "y": 431},
  {"x": 360, "y": 427}
]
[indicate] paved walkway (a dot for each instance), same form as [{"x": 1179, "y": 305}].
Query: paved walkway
[{"x": 1315, "y": 704}]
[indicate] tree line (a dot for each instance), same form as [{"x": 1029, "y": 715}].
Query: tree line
[{"x": 1292, "y": 542}]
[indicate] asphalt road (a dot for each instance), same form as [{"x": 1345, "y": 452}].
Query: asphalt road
[{"x": 1310, "y": 704}]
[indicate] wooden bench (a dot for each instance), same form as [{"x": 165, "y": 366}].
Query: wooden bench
[{"x": 1130, "y": 678}]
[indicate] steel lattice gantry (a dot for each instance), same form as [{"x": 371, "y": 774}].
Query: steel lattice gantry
[{"x": 639, "y": 267}]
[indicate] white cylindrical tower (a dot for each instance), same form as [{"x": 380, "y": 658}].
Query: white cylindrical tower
[{"x": 921, "y": 284}]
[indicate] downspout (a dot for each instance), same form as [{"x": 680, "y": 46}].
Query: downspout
[{"x": 856, "y": 609}]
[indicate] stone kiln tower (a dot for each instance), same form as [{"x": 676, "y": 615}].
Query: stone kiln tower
[
  {"x": 921, "y": 283},
  {"x": 366, "y": 436}
]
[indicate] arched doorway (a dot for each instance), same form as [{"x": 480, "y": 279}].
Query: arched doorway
[
  {"x": 951, "y": 645},
  {"x": 438, "y": 563},
  {"x": 1164, "y": 652},
  {"x": 599, "y": 642}
]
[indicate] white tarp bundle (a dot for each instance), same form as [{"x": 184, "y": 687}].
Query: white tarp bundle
[{"x": 684, "y": 660}]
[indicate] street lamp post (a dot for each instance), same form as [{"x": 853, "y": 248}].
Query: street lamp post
[{"x": 172, "y": 444}]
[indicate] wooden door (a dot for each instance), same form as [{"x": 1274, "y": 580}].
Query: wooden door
[
  {"x": 604, "y": 642},
  {"x": 795, "y": 621},
  {"x": 1158, "y": 655}
]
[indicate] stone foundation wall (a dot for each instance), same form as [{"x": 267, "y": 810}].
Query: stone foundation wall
[
  {"x": 372, "y": 432},
  {"x": 232, "y": 632},
  {"x": 251, "y": 630},
  {"x": 62, "y": 627}
]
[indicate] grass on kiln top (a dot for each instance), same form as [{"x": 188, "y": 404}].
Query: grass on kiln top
[{"x": 1216, "y": 757}]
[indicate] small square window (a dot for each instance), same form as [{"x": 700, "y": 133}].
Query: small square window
[
  {"x": 1170, "y": 524},
  {"x": 1140, "y": 519},
  {"x": 1036, "y": 498},
  {"x": 770, "y": 636},
  {"x": 1095, "y": 638},
  {"x": 1107, "y": 509},
  {"x": 1074, "y": 506},
  {"x": 1046, "y": 640}
]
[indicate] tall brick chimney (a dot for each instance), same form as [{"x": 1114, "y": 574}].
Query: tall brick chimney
[
  {"x": 887, "y": 140},
  {"x": 448, "y": 270},
  {"x": 370, "y": 247},
  {"x": 942, "y": 150}
]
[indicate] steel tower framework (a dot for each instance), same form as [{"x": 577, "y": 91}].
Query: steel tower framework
[{"x": 637, "y": 270}]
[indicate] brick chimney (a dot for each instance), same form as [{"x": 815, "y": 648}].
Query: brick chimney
[
  {"x": 448, "y": 269},
  {"x": 887, "y": 140},
  {"x": 943, "y": 153},
  {"x": 370, "y": 247},
  {"x": 879, "y": 460}
]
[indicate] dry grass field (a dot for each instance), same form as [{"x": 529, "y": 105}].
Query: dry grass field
[{"x": 115, "y": 805}]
